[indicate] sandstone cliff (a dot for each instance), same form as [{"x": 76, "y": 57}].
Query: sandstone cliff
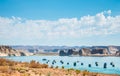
[
  {"x": 84, "y": 52},
  {"x": 8, "y": 51},
  {"x": 90, "y": 52},
  {"x": 100, "y": 51}
]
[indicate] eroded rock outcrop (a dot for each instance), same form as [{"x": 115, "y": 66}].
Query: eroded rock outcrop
[
  {"x": 84, "y": 52},
  {"x": 8, "y": 51},
  {"x": 113, "y": 50},
  {"x": 117, "y": 53},
  {"x": 62, "y": 53},
  {"x": 100, "y": 51},
  {"x": 70, "y": 52}
]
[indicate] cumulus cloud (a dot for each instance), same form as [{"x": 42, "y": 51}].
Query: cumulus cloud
[{"x": 100, "y": 24}]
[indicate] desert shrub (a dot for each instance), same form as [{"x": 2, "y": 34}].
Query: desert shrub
[
  {"x": 56, "y": 67},
  {"x": 4, "y": 68},
  {"x": 22, "y": 71},
  {"x": 34, "y": 64},
  {"x": 77, "y": 71},
  {"x": 51, "y": 66},
  {"x": 25, "y": 64},
  {"x": 11, "y": 63},
  {"x": 13, "y": 68},
  {"x": 19, "y": 69},
  {"x": 2, "y": 62},
  {"x": 44, "y": 66},
  {"x": 48, "y": 74},
  {"x": 26, "y": 74},
  {"x": 62, "y": 67},
  {"x": 66, "y": 74},
  {"x": 71, "y": 69},
  {"x": 39, "y": 74},
  {"x": 85, "y": 72},
  {"x": 95, "y": 74},
  {"x": 5, "y": 62}
]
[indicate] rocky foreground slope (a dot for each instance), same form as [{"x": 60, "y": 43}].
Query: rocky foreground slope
[{"x": 8, "y": 51}]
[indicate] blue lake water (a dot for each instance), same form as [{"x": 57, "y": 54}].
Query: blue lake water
[{"x": 85, "y": 60}]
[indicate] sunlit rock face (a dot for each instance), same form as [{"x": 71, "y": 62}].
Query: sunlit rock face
[
  {"x": 113, "y": 50},
  {"x": 84, "y": 52},
  {"x": 8, "y": 51},
  {"x": 117, "y": 53}
]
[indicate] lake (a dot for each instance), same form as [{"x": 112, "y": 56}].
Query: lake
[{"x": 78, "y": 59}]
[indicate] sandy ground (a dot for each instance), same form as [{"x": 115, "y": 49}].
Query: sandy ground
[{"x": 47, "y": 72}]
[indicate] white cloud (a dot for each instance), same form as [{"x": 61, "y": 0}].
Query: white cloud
[{"x": 99, "y": 24}]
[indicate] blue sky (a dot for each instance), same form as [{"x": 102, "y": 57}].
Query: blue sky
[
  {"x": 54, "y": 9},
  {"x": 59, "y": 22}
]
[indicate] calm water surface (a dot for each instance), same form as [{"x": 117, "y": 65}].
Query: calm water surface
[{"x": 85, "y": 60}]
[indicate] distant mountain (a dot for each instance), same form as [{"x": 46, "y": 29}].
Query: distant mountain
[
  {"x": 34, "y": 49},
  {"x": 92, "y": 51},
  {"x": 111, "y": 50},
  {"x": 62, "y": 50}
]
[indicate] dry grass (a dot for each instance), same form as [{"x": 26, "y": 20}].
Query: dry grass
[
  {"x": 12, "y": 68},
  {"x": 4, "y": 68},
  {"x": 4, "y": 62},
  {"x": 34, "y": 64}
]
